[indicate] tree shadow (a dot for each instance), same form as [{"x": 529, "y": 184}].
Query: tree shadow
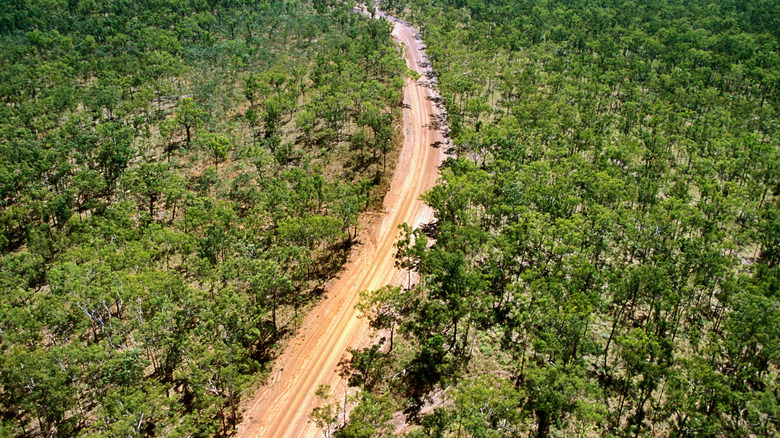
[{"x": 431, "y": 229}]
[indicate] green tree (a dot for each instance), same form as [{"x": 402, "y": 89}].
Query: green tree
[
  {"x": 218, "y": 145},
  {"x": 190, "y": 117},
  {"x": 326, "y": 417},
  {"x": 372, "y": 417},
  {"x": 410, "y": 249}
]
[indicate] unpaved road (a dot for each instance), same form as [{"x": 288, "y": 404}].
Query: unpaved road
[{"x": 281, "y": 408}]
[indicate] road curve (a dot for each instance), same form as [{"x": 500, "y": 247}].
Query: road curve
[{"x": 281, "y": 408}]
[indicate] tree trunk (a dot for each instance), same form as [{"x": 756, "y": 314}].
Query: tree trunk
[
  {"x": 542, "y": 424},
  {"x": 273, "y": 311}
]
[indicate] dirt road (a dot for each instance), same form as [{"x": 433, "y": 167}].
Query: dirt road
[{"x": 282, "y": 407}]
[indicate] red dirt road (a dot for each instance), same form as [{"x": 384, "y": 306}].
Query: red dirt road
[{"x": 281, "y": 408}]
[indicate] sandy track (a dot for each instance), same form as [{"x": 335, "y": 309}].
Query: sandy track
[{"x": 281, "y": 408}]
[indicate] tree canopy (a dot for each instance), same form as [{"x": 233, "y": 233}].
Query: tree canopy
[
  {"x": 177, "y": 178},
  {"x": 605, "y": 255}
]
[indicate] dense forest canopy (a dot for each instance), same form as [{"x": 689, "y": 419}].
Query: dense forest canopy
[
  {"x": 606, "y": 258},
  {"x": 177, "y": 180}
]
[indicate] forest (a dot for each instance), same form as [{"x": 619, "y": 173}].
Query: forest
[
  {"x": 178, "y": 180},
  {"x": 606, "y": 256}
]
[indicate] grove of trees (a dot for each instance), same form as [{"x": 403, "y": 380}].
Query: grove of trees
[
  {"x": 606, "y": 254},
  {"x": 178, "y": 179}
]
